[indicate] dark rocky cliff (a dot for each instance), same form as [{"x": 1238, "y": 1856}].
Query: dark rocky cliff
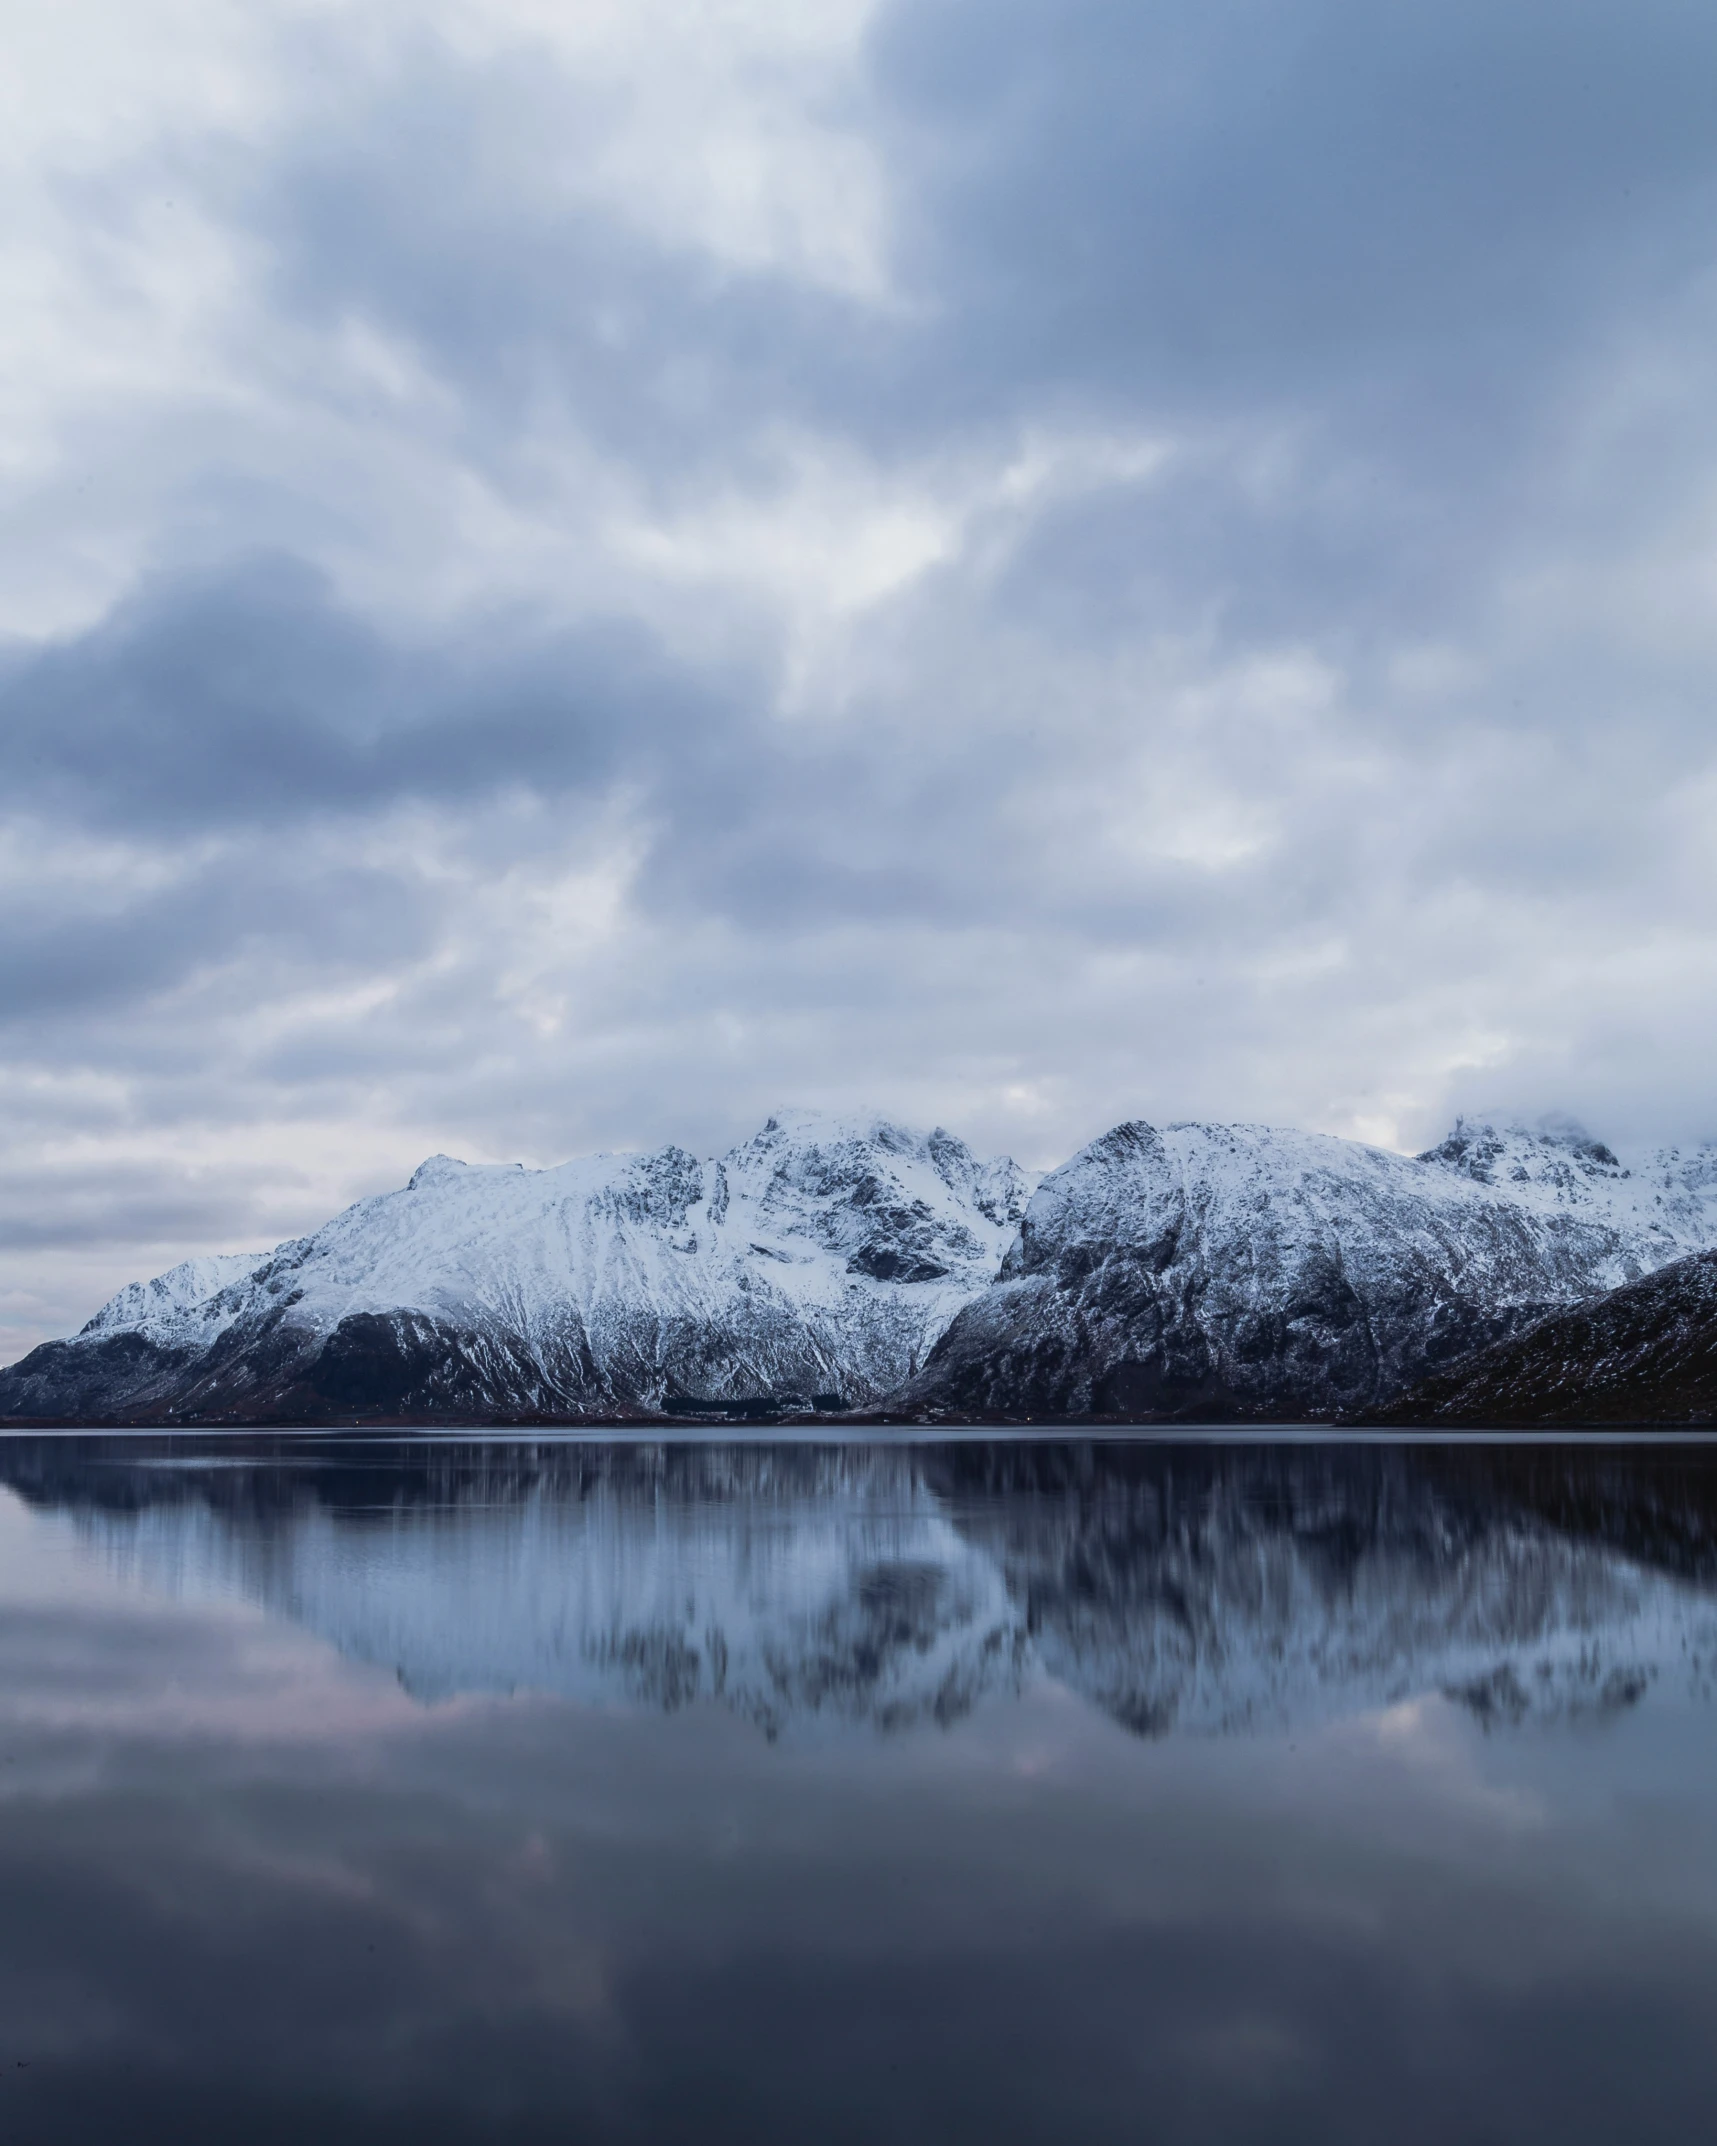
[{"x": 1644, "y": 1354}]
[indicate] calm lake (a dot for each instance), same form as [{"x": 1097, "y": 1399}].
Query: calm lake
[{"x": 442, "y": 1789}]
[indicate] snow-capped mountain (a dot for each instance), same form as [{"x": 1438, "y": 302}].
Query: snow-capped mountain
[
  {"x": 821, "y": 1258},
  {"x": 1231, "y": 1271},
  {"x": 814, "y": 1590},
  {"x": 1214, "y": 1271}
]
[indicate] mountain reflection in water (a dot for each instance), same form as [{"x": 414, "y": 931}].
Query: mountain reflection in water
[
  {"x": 447, "y": 1792},
  {"x": 1202, "y": 1589}
]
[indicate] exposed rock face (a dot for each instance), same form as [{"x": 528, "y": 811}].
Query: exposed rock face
[
  {"x": 821, "y": 1258},
  {"x": 1231, "y": 1272},
  {"x": 1644, "y": 1354}
]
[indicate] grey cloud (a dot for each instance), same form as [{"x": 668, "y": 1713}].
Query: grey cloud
[
  {"x": 1389, "y": 217},
  {"x": 1384, "y": 245},
  {"x": 1245, "y": 198},
  {"x": 421, "y": 199},
  {"x": 1055, "y": 820},
  {"x": 254, "y": 701},
  {"x": 55, "y": 960},
  {"x": 118, "y": 1207},
  {"x": 1397, "y": 234}
]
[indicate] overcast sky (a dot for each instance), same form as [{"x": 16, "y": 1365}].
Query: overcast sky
[{"x": 573, "y": 570}]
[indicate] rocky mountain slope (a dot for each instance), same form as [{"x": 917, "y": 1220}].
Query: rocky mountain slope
[
  {"x": 1644, "y": 1354},
  {"x": 1219, "y": 1273},
  {"x": 820, "y": 1258}
]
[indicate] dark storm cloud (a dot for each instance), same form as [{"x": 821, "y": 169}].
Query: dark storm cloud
[{"x": 255, "y": 696}]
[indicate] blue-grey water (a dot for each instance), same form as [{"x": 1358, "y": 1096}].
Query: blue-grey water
[{"x": 447, "y": 1789}]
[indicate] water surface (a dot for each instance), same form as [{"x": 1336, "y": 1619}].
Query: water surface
[{"x": 473, "y": 1789}]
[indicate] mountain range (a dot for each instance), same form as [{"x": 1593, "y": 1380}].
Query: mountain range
[{"x": 1188, "y": 1272}]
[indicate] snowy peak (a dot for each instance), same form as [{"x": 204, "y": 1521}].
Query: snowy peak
[
  {"x": 659, "y": 1190},
  {"x": 437, "y": 1170},
  {"x": 1665, "y": 1200},
  {"x": 1160, "y": 1191},
  {"x": 1003, "y": 1191},
  {"x": 1119, "y": 1190},
  {"x": 1557, "y": 1153},
  {"x": 896, "y": 1205},
  {"x": 162, "y": 1305}
]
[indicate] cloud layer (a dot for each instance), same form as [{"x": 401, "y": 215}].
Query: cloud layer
[{"x": 572, "y": 573}]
